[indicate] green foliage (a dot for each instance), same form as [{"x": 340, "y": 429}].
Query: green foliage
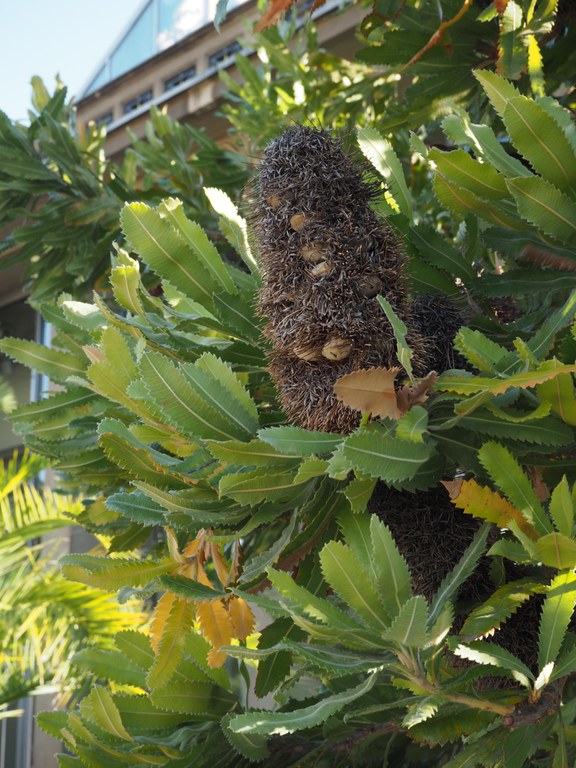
[
  {"x": 215, "y": 510},
  {"x": 44, "y": 619}
]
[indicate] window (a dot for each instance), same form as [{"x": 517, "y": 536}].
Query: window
[
  {"x": 175, "y": 80},
  {"x": 224, "y": 53},
  {"x": 137, "y": 101},
  {"x": 104, "y": 119}
]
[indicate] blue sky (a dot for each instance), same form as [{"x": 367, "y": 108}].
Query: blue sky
[{"x": 49, "y": 37}]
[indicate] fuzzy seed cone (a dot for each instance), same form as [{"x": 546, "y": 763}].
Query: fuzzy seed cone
[{"x": 311, "y": 209}]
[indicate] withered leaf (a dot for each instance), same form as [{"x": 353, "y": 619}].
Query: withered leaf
[
  {"x": 273, "y": 14},
  {"x": 416, "y": 394},
  {"x": 370, "y": 390}
]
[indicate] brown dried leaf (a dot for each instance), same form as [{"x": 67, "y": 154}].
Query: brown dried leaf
[
  {"x": 501, "y": 6},
  {"x": 416, "y": 394},
  {"x": 370, "y": 390},
  {"x": 272, "y": 15},
  {"x": 453, "y": 486}
]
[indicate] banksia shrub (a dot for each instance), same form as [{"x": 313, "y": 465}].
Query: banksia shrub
[{"x": 325, "y": 256}]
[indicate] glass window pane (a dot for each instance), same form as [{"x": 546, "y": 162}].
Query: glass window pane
[
  {"x": 137, "y": 46},
  {"x": 178, "y": 18},
  {"x": 100, "y": 80}
]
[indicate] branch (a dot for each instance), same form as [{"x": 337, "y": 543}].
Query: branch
[{"x": 438, "y": 35}]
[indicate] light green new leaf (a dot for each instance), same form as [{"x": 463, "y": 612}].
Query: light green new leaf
[
  {"x": 471, "y": 385},
  {"x": 380, "y": 153},
  {"x": 413, "y": 425},
  {"x": 287, "y": 722},
  {"x": 559, "y": 393},
  {"x": 556, "y": 550},
  {"x": 99, "y": 707},
  {"x": 55, "y": 364},
  {"x": 350, "y": 580},
  {"x": 543, "y": 205},
  {"x": 408, "y": 629},
  {"x": 403, "y": 351},
  {"x": 377, "y": 454},
  {"x": 480, "y": 178},
  {"x": 295, "y": 441},
  {"x": 393, "y": 575},
  {"x": 561, "y": 508},
  {"x": 232, "y": 225},
  {"x": 508, "y": 476},
  {"x": 484, "y": 652},
  {"x": 539, "y": 138},
  {"x": 556, "y": 615},
  {"x": 125, "y": 281}
]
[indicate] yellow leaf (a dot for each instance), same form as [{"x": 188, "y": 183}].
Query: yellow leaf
[
  {"x": 215, "y": 622},
  {"x": 242, "y": 618},
  {"x": 161, "y": 613},
  {"x": 488, "y": 505},
  {"x": 370, "y": 390}
]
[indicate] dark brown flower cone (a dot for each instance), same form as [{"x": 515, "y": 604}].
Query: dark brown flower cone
[{"x": 325, "y": 256}]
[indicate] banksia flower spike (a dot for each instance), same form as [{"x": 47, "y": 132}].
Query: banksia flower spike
[{"x": 325, "y": 257}]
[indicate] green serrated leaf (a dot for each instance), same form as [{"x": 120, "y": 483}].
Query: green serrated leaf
[
  {"x": 484, "y": 652},
  {"x": 111, "y": 665},
  {"x": 478, "y": 349},
  {"x": 408, "y": 629},
  {"x": 500, "y": 606},
  {"x": 307, "y": 717},
  {"x": 111, "y": 573},
  {"x": 54, "y": 363},
  {"x": 556, "y": 615},
  {"x": 480, "y": 178},
  {"x": 380, "y": 153},
  {"x": 545, "y": 206},
  {"x": 540, "y": 139},
  {"x": 348, "y": 577},
  {"x": 359, "y": 492},
  {"x": 393, "y": 579},
  {"x": 403, "y": 351},
  {"x": 561, "y": 508},
  {"x": 99, "y": 707},
  {"x": 413, "y": 425},
  {"x": 556, "y": 550},
  {"x": 458, "y": 575},
  {"x": 295, "y": 441},
  {"x": 252, "y": 746},
  {"x": 508, "y": 476},
  {"x": 375, "y": 453}
]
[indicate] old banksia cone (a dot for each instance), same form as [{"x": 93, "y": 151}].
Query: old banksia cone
[{"x": 325, "y": 256}]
